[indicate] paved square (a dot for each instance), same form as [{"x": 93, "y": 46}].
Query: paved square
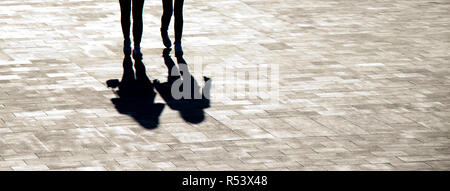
[{"x": 360, "y": 85}]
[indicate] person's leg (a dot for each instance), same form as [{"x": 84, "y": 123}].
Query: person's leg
[
  {"x": 125, "y": 12},
  {"x": 178, "y": 12},
  {"x": 165, "y": 21},
  {"x": 138, "y": 7}
]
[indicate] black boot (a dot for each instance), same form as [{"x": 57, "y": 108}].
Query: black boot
[{"x": 178, "y": 49}]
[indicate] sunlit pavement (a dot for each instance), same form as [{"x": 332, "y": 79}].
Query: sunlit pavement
[{"x": 351, "y": 85}]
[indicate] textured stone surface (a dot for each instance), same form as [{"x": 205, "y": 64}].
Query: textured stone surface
[{"x": 363, "y": 85}]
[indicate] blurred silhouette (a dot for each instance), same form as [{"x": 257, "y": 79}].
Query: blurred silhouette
[
  {"x": 168, "y": 10},
  {"x": 182, "y": 92},
  {"x": 136, "y": 95},
  {"x": 125, "y": 12}
]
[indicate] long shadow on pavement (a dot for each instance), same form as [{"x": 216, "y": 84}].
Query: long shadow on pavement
[
  {"x": 136, "y": 95},
  {"x": 182, "y": 92}
]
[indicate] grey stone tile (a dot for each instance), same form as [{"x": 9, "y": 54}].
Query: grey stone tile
[{"x": 361, "y": 86}]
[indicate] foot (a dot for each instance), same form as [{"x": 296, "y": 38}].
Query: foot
[
  {"x": 166, "y": 52},
  {"x": 137, "y": 55},
  {"x": 178, "y": 50},
  {"x": 127, "y": 47},
  {"x": 165, "y": 38}
]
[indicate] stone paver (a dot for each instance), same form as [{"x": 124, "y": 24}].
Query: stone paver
[{"x": 361, "y": 85}]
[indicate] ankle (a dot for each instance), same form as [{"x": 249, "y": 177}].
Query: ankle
[
  {"x": 177, "y": 45},
  {"x": 127, "y": 46},
  {"x": 137, "y": 49},
  {"x": 127, "y": 42},
  {"x": 137, "y": 54},
  {"x": 178, "y": 48},
  {"x": 165, "y": 37}
]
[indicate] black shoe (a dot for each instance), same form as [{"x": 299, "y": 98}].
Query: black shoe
[
  {"x": 165, "y": 37},
  {"x": 178, "y": 50},
  {"x": 166, "y": 52},
  {"x": 137, "y": 55}
]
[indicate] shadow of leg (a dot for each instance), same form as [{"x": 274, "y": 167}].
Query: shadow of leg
[
  {"x": 182, "y": 92},
  {"x": 136, "y": 95}
]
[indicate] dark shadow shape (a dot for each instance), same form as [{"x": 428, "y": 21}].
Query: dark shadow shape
[
  {"x": 190, "y": 102},
  {"x": 136, "y": 95}
]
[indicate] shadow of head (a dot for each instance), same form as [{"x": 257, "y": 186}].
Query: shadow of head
[
  {"x": 182, "y": 92},
  {"x": 136, "y": 95}
]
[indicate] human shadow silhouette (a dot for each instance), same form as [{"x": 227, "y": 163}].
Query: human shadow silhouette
[
  {"x": 136, "y": 95},
  {"x": 182, "y": 92}
]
